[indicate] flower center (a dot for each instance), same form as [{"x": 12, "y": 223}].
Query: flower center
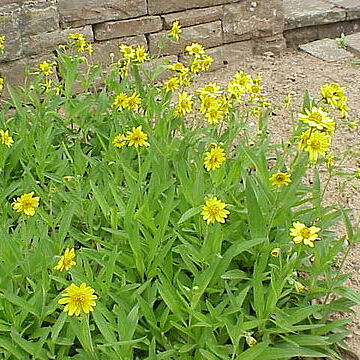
[
  {"x": 280, "y": 177},
  {"x": 316, "y": 118},
  {"x": 305, "y": 233},
  {"x": 315, "y": 144},
  {"x": 213, "y": 210}
]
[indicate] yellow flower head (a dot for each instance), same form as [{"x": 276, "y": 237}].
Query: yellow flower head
[
  {"x": 195, "y": 49},
  {"x": 244, "y": 80},
  {"x": 210, "y": 89},
  {"x": 332, "y": 93},
  {"x": 236, "y": 90},
  {"x": 120, "y": 100},
  {"x": 133, "y": 102},
  {"x": 1, "y": 83},
  {"x": 275, "y": 252},
  {"x": 317, "y": 118},
  {"x": 184, "y": 79},
  {"x": 214, "y": 210},
  {"x": 178, "y": 66},
  {"x": 175, "y": 31},
  {"x": 171, "y": 84},
  {"x": 141, "y": 54},
  {"x": 66, "y": 261},
  {"x": 78, "y": 299},
  {"x": 2, "y": 39},
  {"x": 26, "y": 203},
  {"x": 76, "y": 36},
  {"x": 299, "y": 287},
  {"x": 137, "y": 137},
  {"x": 304, "y": 234},
  {"x": 214, "y": 114},
  {"x": 317, "y": 144},
  {"x": 5, "y": 138},
  {"x": 201, "y": 63},
  {"x": 46, "y": 68},
  {"x": 184, "y": 104},
  {"x": 214, "y": 158},
  {"x": 280, "y": 179},
  {"x": 119, "y": 140},
  {"x": 127, "y": 51}
]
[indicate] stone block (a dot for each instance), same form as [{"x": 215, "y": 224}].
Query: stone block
[
  {"x": 209, "y": 35},
  {"x": 117, "y": 29},
  {"x": 352, "y": 8},
  {"x": 194, "y": 16},
  {"x": 46, "y": 42},
  {"x": 294, "y": 37},
  {"x": 167, "y": 6},
  {"x": 81, "y": 12},
  {"x": 250, "y": 19},
  {"x": 335, "y": 30},
  {"x": 10, "y": 28},
  {"x": 276, "y": 44},
  {"x": 155, "y": 64},
  {"x": 353, "y": 42},
  {"x": 39, "y": 18},
  {"x": 311, "y": 12},
  {"x": 327, "y": 50}
]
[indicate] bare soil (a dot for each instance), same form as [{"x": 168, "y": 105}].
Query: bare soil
[{"x": 295, "y": 72}]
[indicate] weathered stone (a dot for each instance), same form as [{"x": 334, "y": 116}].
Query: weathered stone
[
  {"x": 103, "y": 49},
  {"x": 39, "y": 18},
  {"x": 353, "y": 42},
  {"x": 326, "y": 49},
  {"x": 276, "y": 44},
  {"x": 194, "y": 16},
  {"x": 302, "y": 35},
  {"x": 117, "y": 29},
  {"x": 249, "y": 19},
  {"x": 9, "y": 27},
  {"x": 311, "y": 12},
  {"x": 209, "y": 35},
  {"x": 46, "y": 42},
  {"x": 352, "y": 8},
  {"x": 76, "y": 13},
  {"x": 167, "y": 6},
  {"x": 154, "y": 65},
  {"x": 336, "y": 29}
]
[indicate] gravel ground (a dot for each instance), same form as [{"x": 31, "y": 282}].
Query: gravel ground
[{"x": 295, "y": 72}]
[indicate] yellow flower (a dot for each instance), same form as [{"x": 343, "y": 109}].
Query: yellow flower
[
  {"x": 280, "y": 179},
  {"x": 195, "y": 49},
  {"x": 137, "y": 137},
  {"x": 214, "y": 210},
  {"x": 78, "y": 299},
  {"x": 236, "y": 90},
  {"x": 175, "y": 31},
  {"x": 171, "y": 84},
  {"x": 5, "y": 138},
  {"x": 26, "y": 204},
  {"x": 275, "y": 252},
  {"x": 76, "y": 36},
  {"x": 78, "y": 40},
  {"x": 120, "y": 100},
  {"x": 317, "y": 118},
  {"x": 66, "y": 261},
  {"x": 119, "y": 140},
  {"x": 214, "y": 114},
  {"x": 127, "y": 51},
  {"x": 184, "y": 78},
  {"x": 304, "y": 234},
  {"x": 333, "y": 93},
  {"x": 45, "y": 67},
  {"x": 184, "y": 104},
  {"x": 210, "y": 89},
  {"x": 201, "y": 63},
  {"x": 214, "y": 158},
  {"x": 317, "y": 144},
  {"x": 178, "y": 66},
  {"x": 141, "y": 54},
  {"x": 133, "y": 102},
  {"x": 1, "y": 83},
  {"x": 244, "y": 79},
  {"x": 2, "y": 39},
  {"x": 299, "y": 287}
]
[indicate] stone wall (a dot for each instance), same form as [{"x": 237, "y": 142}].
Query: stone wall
[{"x": 230, "y": 28}]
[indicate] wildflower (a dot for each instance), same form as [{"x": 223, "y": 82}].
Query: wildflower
[
  {"x": 317, "y": 144},
  {"x": 184, "y": 104},
  {"x": 250, "y": 340},
  {"x": 67, "y": 178},
  {"x": 1, "y": 83},
  {"x": 214, "y": 158},
  {"x": 302, "y": 233},
  {"x": 299, "y": 287},
  {"x": 184, "y": 79},
  {"x": 26, "y": 203},
  {"x": 141, "y": 54},
  {"x": 195, "y": 49},
  {"x": 243, "y": 79},
  {"x": 210, "y": 89},
  {"x": 275, "y": 252},
  {"x": 175, "y": 31},
  {"x": 171, "y": 84},
  {"x": 214, "y": 114},
  {"x": 178, "y": 66},
  {"x": 120, "y": 100},
  {"x": 66, "y": 261},
  {"x": 78, "y": 40},
  {"x": 214, "y": 210},
  {"x": 137, "y": 137},
  {"x": 2, "y": 39},
  {"x": 236, "y": 90},
  {"x": 279, "y": 179},
  {"x": 47, "y": 85},
  {"x": 5, "y": 138},
  {"x": 201, "y": 63},
  {"x": 133, "y": 102},
  {"x": 317, "y": 118},
  {"x": 333, "y": 93},
  {"x": 127, "y": 51},
  {"x": 119, "y": 140},
  {"x": 45, "y": 67},
  {"x": 78, "y": 299}
]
